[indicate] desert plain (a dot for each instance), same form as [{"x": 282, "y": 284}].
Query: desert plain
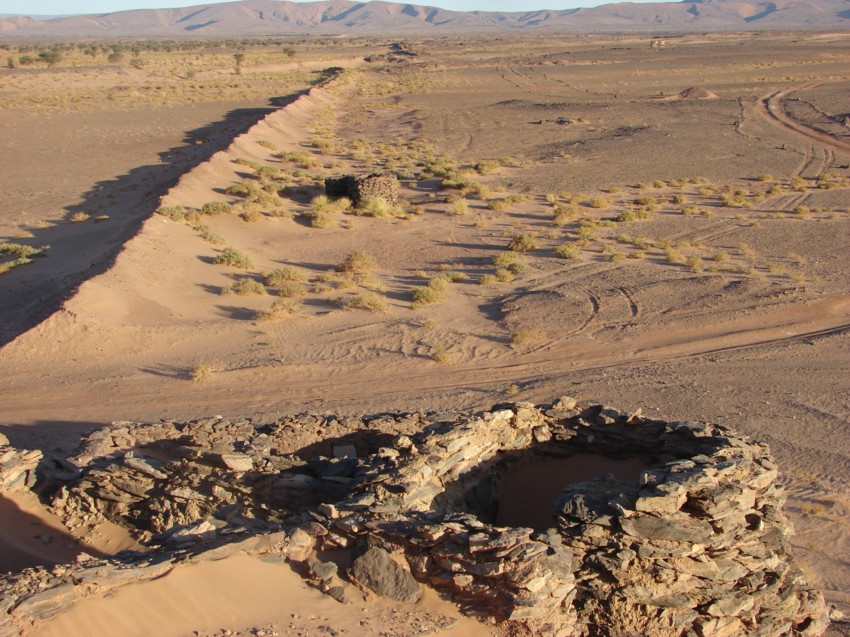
[{"x": 664, "y": 228}]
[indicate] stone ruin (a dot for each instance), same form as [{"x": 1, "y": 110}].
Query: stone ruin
[
  {"x": 359, "y": 189},
  {"x": 553, "y": 519}
]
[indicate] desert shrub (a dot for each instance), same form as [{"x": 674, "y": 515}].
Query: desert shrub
[
  {"x": 289, "y": 289},
  {"x": 375, "y": 207},
  {"x": 486, "y": 166},
  {"x": 632, "y": 215},
  {"x": 245, "y": 286},
  {"x": 20, "y": 250},
  {"x": 241, "y": 189},
  {"x": 250, "y": 215},
  {"x": 802, "y": 210},
  {"x": 680, "y": 199},
  {"x": 695, "y": 264},
  {"x": 504, "y": 258},
  {"x": 250, "y": 163},
  {"x": 487, "y": 279},
  {"x": 233, "y": 257},
  {"x": 527, "y": 335},
  {"x": 425, "y": 295},
  {"x": 497, "y": 205},
  {"x": 564, "y": 215},
  {"x": 369, "y": 282},
  {"x": 586, "y": 232},
  {"x": 568, "y": 251},
  {"x": 504, "y": 275},
  {"x": 323, "y": 203},
  {"x": 357, "y": 261},
  {"x": 9, "y": 265},
  {"x": 78, "y": 217},
  {"x": 209, "y": 235},
  {"x": 517, "y": 267},
  {"x": 459, "y": 208},
  {"x": 457, "y": 181},
  {"x": 100, "y": 218},
  {"x": 440, "y": 354},
  {"x": 286, "y": 273},
  {"x": 674, "y": 256},
  {"x": 175, "y": 213},
  {"x": 365, "y": 301},
  {"x": 440, "y": 282},
  {"x": 319, "y": 219},
  {"x": 599, "y": 202},
  {"x": 215, "y": 208},
  {"x": 523, "y": 242},
  {"x": 765, "y": 177},
  {"x": 280, "y": 309},
  {"x": 515, "y": 199},
  {"x": 203, "y": 370},
  {"x": 266, "y": 174},
  {"x": 266, "y": 144}
]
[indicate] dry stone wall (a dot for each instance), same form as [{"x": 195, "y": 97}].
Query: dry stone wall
[
  {"x": 382, "y": 185},
  {"x": 697, "y": 546}
]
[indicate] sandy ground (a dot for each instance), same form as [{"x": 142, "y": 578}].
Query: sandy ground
[
  {"x": 260, "y": 599},
  {"x": 761, "y": 346}
]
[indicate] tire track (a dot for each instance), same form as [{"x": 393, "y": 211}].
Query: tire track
[
  {"x": 633, "y": 307},
  {"x": 771, "y": 108}
]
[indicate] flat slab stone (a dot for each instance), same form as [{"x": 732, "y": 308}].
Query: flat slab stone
[{"x": 377, "y": 570}]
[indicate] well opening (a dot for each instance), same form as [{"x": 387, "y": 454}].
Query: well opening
[{"x": 523, "y": 488}]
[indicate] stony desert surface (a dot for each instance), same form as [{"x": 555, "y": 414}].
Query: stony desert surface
[{"x": 644, "y": 227}]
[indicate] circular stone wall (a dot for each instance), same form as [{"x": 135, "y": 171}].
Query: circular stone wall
[
  {"x": 696, "y": 544},
  {"x": 639, "y": 526}
]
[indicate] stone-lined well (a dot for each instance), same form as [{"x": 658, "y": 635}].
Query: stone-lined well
[{"x": 673, "y": 529}]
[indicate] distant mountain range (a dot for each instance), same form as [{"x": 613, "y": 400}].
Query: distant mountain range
[{"x": 279, "y": 17}]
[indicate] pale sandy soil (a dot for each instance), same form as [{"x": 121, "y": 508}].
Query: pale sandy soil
[{"x": 761, "y": 346}]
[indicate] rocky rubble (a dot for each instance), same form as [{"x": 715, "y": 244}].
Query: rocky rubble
[{"x": 698, "y": 545}]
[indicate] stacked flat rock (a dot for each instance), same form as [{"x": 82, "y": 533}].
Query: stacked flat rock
[
  {"x": 697, "y": 546},
  {"x": 17, "y": 467}
]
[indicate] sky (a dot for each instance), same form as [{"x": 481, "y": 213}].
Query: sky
[{"x": 65, "y": 7}]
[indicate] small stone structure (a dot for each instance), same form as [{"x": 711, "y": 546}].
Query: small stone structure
[
  {"x": 696, "y": 545},
  {"x": 359, "y": 189}
]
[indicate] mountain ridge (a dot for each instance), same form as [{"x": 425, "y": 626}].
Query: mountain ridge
[{"x": 325, "y": 17}]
